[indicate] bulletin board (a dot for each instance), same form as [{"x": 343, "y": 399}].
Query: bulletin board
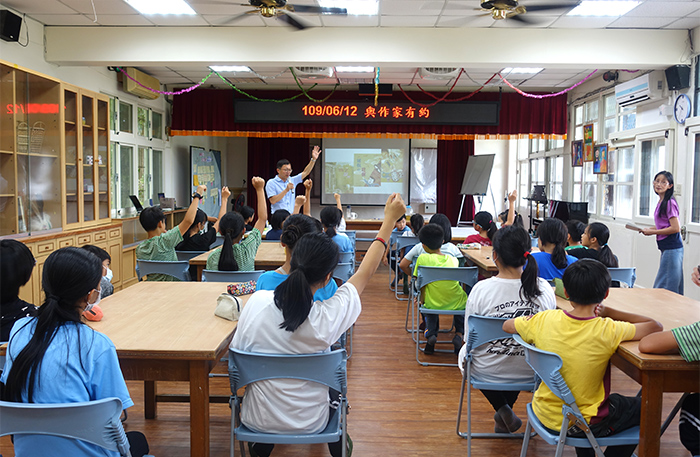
[{"x": 205, "y": 168}]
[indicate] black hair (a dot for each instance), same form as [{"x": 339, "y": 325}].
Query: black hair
[
  {"x": 600, "y": 232},
  {"x": 296, "y": 226},
  {"x": 247, "y": 212},
  {"x": 518, "y": 220},
  {"x": 69, "y": 275},
  {"x": 98, "y": 251},
  {"x": 586, "y": 281},
  {"x": 330, "y": 218},
  {"x": 553, "y": 231},
  {"x": 575, "y": 229},
  {"x": 16, "y": 265},
  {"x": 278, "y": 218},
  {"x": 150, "y": 218},
  {"x": 484, "y": 220},
  {"x": 316, "y": 257},
  {"x": 445, "y": 223},
  {"x": 231, "y": 227},
  {"x": 282, "y": 162},
  {"x": 199, "y": 217},
  {"x": 431, "y": 235},
  {"x": 668, "y": 195},
  {"x": 403, "y": 217},
  {"x": 417, "y": 223},
  {"x": 512, "y": 247}
]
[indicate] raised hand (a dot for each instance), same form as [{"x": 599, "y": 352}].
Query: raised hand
[
  {"x": 201, "y": 189},
  {"x": 258, "y": 182},
  {"x": 225, "y": 193},
  {"x": 308, "y": 184},
  {"x": 300, "y": 201},
  {"x": 513, "y": 196},
  {"x": 316, "y": 152},
  {"x": 395, "y": 207}
]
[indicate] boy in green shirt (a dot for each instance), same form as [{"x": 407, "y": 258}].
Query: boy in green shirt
[
  {"x": 161, "y": 243},
  {"x": 439, "y": 294}
]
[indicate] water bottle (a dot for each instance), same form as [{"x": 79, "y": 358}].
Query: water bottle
[
  {"x": 409, "y": 210},
  {"x": 348, "y": 214}
]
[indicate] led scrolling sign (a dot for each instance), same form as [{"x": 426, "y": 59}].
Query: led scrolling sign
[{"x": 457, "y": 113}]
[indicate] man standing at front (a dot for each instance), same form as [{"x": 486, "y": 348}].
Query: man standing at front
[{"x": 280, "y": 189}]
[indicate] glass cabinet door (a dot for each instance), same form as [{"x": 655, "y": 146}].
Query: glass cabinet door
[
  {"x": 8, "y": 189},
  {"x": 102, "y": 158},
  {"x": 71, "y": 126},
  {"x": 88, "y": 158}
]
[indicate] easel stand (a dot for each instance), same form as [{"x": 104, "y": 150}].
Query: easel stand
[{"x": 479, "y": 198}]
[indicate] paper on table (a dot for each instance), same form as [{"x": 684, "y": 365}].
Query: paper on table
[{"x": 633, "y": 227}]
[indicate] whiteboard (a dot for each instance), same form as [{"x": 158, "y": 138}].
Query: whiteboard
[
  {"x": 205, "y": 168},
  {"x": 477, "y": 175}
]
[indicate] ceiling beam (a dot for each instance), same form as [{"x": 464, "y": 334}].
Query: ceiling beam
[{"x": 384, "y": 47}]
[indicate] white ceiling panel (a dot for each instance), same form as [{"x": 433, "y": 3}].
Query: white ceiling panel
[
  {"x": 176, "y": 20},
  {"x": 408, "y": 21},
  {"x": 32, "y": 7},
  {"x": 332, "y": 20},
  {"x": 664, "y": 9},
  {"x": 641, "y": 22},
  {"x": 65, "y": 19},
  {"x": 578, "y": 22},
  {"x": 101, "y": 6},
  {"x": 249, "y": 20},
  {"x": 410, "y": 7},
  {"x": 122, "y": 19},
  {"x": 685, "y": 23}
]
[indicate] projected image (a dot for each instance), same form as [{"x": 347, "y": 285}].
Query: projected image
[{"x": 364, "y": 171}]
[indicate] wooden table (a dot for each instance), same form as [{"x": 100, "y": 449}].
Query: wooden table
[
  {"x": 656, "y": 373},
  {"x": 167, "y": 331},
  {"x": 482, "y": 258},
  {"x": 270, "y": 256}
]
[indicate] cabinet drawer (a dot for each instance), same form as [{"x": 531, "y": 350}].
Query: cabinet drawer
[
  {"x": 115, "y": 233},
  {"x": 65, "y": 242},
  {"x": 44, "y": 247},
  {"x": 100, "y": 236},
  {"x": 84, "y": 239}
]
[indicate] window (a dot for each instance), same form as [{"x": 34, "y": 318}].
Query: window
[
  {"x": 122, "y": 116},
  {"x": 653, "y": 160},
  {"x": 157, "y": 125},
  {"x": 143, "y": 124},
  {"x": 556, "y": 178},
  {"x": 610, "y": 102},
  {"x": 617, "y": 184}
]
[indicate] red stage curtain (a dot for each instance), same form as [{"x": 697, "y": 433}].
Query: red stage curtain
[
  {"x": 263, "y": 154},
  {"x": 452, "y": 159}
]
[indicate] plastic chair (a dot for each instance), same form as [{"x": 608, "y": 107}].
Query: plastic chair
[
  {"x": 344, "y": 271},
  {"x": 426, "y": 275},
  {"x": 624, "y": 275},
  {"x": 402, "y": 243},
  {"x": 230, "y": 276},
  {"x": 187, "y": 255},
  {"x": 347, "y": 257},
  {"x": 547, "y": 366},
  {"x": 352, "y": 234},
  {"x": 482, "y": 330},
  {"x": 328, "y": 368},
  {"x": 217, "y": 242},
  {"x": 96, "y": 422},
  {"x": 178, "y": 269}
]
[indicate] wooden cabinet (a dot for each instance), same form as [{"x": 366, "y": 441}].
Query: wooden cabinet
[
  {"x": 108, "y": 237},
  {"x": 86, "y": 159}
]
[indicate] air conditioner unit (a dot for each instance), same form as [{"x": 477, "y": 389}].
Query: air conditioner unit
[
  {"x": 436, "y": 73},
  {"x": 132, "y": 87},
  {"x": 646, "y": 88},
  {"x": 314, "y": 72}
]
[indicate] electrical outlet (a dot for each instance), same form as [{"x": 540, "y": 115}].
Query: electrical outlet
[
  {"x": 677, "y": 189},
  {"x": 429, "y": 208}
]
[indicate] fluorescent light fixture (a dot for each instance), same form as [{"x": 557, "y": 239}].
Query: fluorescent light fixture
[
  {"x": 603, "y": 8},
  {"x": 230, "y": 68},
  {"x": 161, "y": 6},
  {"x": 521, "y": 70},
  {"x": 357, "y": 69},
  {"x": 354, "y": 7}
]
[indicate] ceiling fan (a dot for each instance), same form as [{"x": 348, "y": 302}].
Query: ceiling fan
[
  {"x": 511, "y": 9},
  {"x": 281, "y": 10}
]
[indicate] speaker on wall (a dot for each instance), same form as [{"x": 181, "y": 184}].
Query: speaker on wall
[
  {"x": 678, "y": 77},
  {"x": 10, "y": 24}
]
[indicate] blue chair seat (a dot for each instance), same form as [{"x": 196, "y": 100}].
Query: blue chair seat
[{"x": 327, "y": 435}]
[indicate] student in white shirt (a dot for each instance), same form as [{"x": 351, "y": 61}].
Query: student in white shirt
[{"x": 288, "y": 321}]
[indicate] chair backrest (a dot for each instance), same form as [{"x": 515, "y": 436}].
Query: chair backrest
[
  {"x": 483, "y": 329},
  {"x": 346, "y": 257},
  {"x": 178, "y": 269},
  {"x": 97, "y": 422},
  {"x": 187, "y": 255},
  {"x": 327, "y": 368},
  {"x": 465, "y": 275},
  {"x": 352, "y": 234},
  {"x": 406, "y": 242},
  {"x": 344, "y": 270},
  {"x": 547, "y": 365},
  {"x": 626, "y": 275},
  {"x": 230, "y": 276}
]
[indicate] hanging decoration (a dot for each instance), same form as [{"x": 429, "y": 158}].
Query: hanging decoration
[
  {"x": 253, "y": 97},
  {"x": 305, "y": 93},
  {"x": 162, "y": 92},
  {"x": 444, "y": 97},
  {"x": 525, "y": 94},
  {"x": 376, "y": 87}
]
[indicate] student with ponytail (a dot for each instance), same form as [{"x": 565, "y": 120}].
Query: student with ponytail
[
  {"x": 234, "y": 254},
  {"x": 595, "y": 245},
  {"x": 331, "y": 218},
  {"x": 295, "y": 226},
  {"x": 289, "y": 321},
  {"x": 552, "y": 259},
  {"x": 483, "y": 223},
  {"x": 515, "y": 291},
  {"x": 55, "y": 358},
  {"x": 668, "y": 238}
]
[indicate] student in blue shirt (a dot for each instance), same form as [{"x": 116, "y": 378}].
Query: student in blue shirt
[
  {"x": 330, "y": 218},
  {"x": 55, "y": 358},
  {"x": 552, "y": 259},
  {"x": 280, "y": 190},
  {"x": 296, "y": 226}
]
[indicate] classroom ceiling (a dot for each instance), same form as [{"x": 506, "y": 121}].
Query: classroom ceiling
[{"x": 404, "y": 14}]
